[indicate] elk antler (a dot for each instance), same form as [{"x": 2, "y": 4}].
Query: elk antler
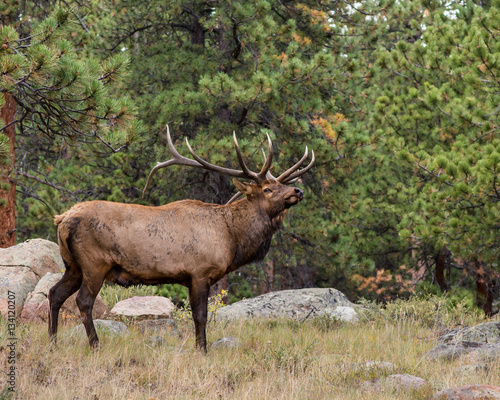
[
  {"x": 287, "y": 177},
  {"x": 198, "y": 162}
]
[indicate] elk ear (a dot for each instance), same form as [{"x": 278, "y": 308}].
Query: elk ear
[{"x": 245, "y": 188}]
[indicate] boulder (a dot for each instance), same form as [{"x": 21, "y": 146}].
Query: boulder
[
  {"x": 296, "y": 304},
  {"x": 404, "y": 382},
  {"x": 471, "y": 368},
  {"x": 144, "y": 307},
  {"x": 487, "y": 332},
  {"x": 475, "y": 351},
  {"x": 36, "y": 306},
  {"x": 21, "y": 267},
  {"x": 341, "y": 313},
  {"x": 469, "y": 392}
]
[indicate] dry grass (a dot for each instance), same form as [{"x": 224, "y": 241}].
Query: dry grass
[{"x": 276, "y": 360}]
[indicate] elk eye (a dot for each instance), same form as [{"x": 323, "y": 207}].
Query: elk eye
[{"x": 267, "y": 190}]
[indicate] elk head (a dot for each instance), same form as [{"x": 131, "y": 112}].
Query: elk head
[{"x": 271, "y": 195}]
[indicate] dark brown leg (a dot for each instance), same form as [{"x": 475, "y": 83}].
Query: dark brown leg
[
  {"x": 85, "y": 302},
  {"x": 198, "y": 297},
  {"x": 59, "y": 293}
]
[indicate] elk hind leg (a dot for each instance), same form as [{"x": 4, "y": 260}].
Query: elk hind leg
[
  {"x": 85, "y": 302},
  {"x": 198, "y": 298},
  {"x": 59, "y": 293}
]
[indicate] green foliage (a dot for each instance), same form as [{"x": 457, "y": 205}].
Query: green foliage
[
  {"x": 429, "y": 181},
  {"x": 434, "y": 311},
  {"x": 399, "y": 102},
  {"x": 175, "y": 292},
  {"x": 57, "y": 91},
  {"x": 112, "y": 294},
  {"x": 4, "y": 150}
]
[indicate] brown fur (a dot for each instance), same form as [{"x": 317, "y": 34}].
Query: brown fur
[{"x": 187, "y": 242}]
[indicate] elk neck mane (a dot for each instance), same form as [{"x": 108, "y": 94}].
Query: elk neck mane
[{"x": 253, "y": 230}]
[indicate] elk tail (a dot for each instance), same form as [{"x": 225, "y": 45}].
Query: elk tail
[
  {"x": 59, "y": 218},
  {"x": 64, "y": 233}
]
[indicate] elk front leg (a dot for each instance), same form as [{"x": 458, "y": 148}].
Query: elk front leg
[{"x": 198, "y": 297}]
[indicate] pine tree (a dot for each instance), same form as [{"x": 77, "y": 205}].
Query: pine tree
[
  {"x": 60, "y": 99},
  {"x": 427, "y": 195}
]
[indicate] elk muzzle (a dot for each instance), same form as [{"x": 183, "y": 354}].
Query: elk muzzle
[{"x": 295, "y": 196}]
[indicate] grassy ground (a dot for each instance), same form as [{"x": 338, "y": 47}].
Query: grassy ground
[{"x": 315, "y": 359}]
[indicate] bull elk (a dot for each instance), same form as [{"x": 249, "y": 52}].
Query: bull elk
[{"x": 187, "y": 242}]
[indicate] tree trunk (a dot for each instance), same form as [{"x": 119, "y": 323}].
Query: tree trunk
[
  {"x": 485, "y": 287},
  {"x": 268, "y": 284},
  {"x": 441, "y": 264},
  {"x": 7, "y": 185}
]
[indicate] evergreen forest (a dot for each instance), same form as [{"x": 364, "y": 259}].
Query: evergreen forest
[{"x": 399, "y": 100}]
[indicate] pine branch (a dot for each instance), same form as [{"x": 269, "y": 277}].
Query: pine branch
[{"x": 47, "y": 183}]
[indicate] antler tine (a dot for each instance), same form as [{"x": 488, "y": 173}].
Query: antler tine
[
  {"x": 264, "y": 172},
  {"x": 295, "y": 175},
  {"x": 251, "y": 175},
  {"x": 222, "y": 170},
  {"x": 234, "y": 198},
  {"x": 268, "y": 173},
  {"x": 176, "y": 160},
  {"x": 287, "y": 175},
  {"x": 271, "y": 176}
]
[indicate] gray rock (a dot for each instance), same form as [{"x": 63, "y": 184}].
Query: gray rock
[
  {"x": 341, "y": 313},
  {"x": 101, "y": 326},
  {"x": 21, "y": 267},
  {"x": 480, "y": 352},
  {"x": 227, "y": 342},
  {"x": 469, "y": 392},
  {"x": 487, "y": 332},
  {"x": 296, "y": 304},
  {"x": 381, "y": 365},
  {"x": 144, "y": 307},
  {"x": 36, "y": 306},
  {"x": 406, "y": 381},
  {"x": 397, "y": 381}
]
